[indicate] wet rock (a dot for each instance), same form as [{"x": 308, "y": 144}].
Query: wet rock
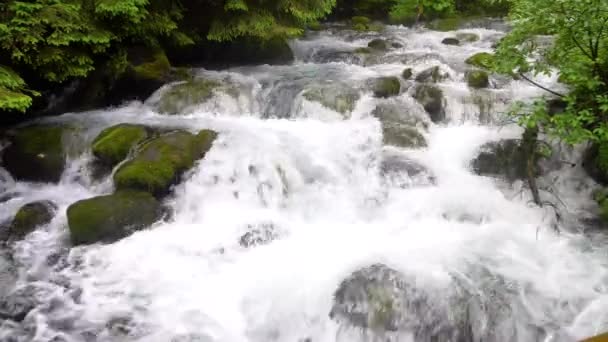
[
  {"x": 398, "y": 170},
  {"x": 450, "y": 41},
  {"x": 399, "y": 128},
  {"x": 113, "y": 144},
  {"x": 338, "y": 97},
  {"x": 396, "y": 45},
  {"x": 477, "y": 79},
  {"x": 184, "y": 95},
  {"x": 259, "y": 234},
  {"x": 506, "y": 158},
  {"x": 378, "y": 44},
  {"x": 431, "y": 98},
  {"x": 35, "y": 153},
  {"x": 467, "y": 37},
  {"x": 445, "y": 25},
  {"x": 30, "y": 217},
  {"x": 111, "y": 217},
  {"x": 161, "y": 161},
  {"x": 18, "y": 303},
  {"x": 386, "y": 86},
  {"x": 595, "y": 163},
  {"x": 407, "y": 73},
  {"x": 482, "y": 60},
  {"x": 432, "y": 74},
  {"x": 363, "y": 50},
  {"x": 363, "y": 24}
]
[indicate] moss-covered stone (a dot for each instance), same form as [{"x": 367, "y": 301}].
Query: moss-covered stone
[
  {"x": 160, "y": 162},
  {"x": 432, "y": 74},
  {"x": 386, "y": 86},
  {"x": 467, "y": 37},
  {"x": 407, "y": 73},
  {"x": 31, "y": 216},
  {"x": 156, "y": 69},
  {"x": 506, "y": 158},
  {"x": 36, "y": 153},
  {"x": 478, "y": 79},
  {"x": 450, "y": 41},
  {"x": 378, "y": 44},
  {"x": 363, "y": 50},
  {"x": 398, "y": 128},
  {"x": 362, "y": 24},
  {"x": 445, "y": 25},
  {"x": 483, "y": 60},
  {"x": 339, "y": 98},
  {"x": 315, "y": 26},
  {"x": 431, "y": 98},
  {"x": 113, "y": 144},
  {"x": 186, "y": 94},
  {"x": 112, "y": 217}
]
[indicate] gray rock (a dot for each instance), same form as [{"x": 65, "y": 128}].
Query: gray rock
[
  {"x": 432, "y": 74},
  {"x": 431, "y": 98}
]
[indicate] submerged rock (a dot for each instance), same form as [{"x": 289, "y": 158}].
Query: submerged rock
[
  {"x": 112, "y": 217},
  {"x": 183, "y": 95},
  {"x": 450, "y": 41},
  {"x": 398, "y": 128},
  {"x": 338, "y": 97},
  {"x": 595, "y": 163},
  {"x": 259, "y": 234},
  {"x": 36, "y": 153},
  {"x": 378, "y": 44},
  {"x": 30, "y": 217},
  {"x": 482, "y": 60},
  {"x": 113, "y": 144},
  {"x": 431, "y": 98},
  {"x": 160, "y": 162},
  {"x": 398, "y": 170},
  {"x": 386, "y": 86},
  {"x": 407, "y": 73},
  {"x": 506, "y": 158},
  {"x": 477, "y": 79},
  {"x": 432, "y": 74},
  {"x": 17, "y": 304},
  {"x": 467, "y": 37}
]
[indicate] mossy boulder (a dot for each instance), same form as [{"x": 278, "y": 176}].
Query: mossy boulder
[
  {"x": 378, "y": 44},
  {"x": 183, "y": 95},
  {"x": 432, "y": 74},
  {"x": 601, "y": 197},
  {"x": 467, "y": 37},
  {"x": 446, "y": 24},
  {"x": 112, "y": 217},
  {"x": 477, "y": 79},
  {"x": 450, "y": 41},
  {"x": 31, "y": 216},
  {"x": 36, "y": 153},
  {"x": 362, "y": 24},
  {"x": 340, "y": 98},
  {"x": 156, "y": 67},
  {"x": 507, "y": 158},
  {"x": 407, "y": 73},
  {"x": 482, "y": 60},
  {"x": 431, "y": 98},
  {"x": 399, "y": 129},
  {"x": 113, "y": 144},
  {"x": 386, "y": 86},
  {"x": 160, "y": 162},
  {"x": 363, "y": 50}
]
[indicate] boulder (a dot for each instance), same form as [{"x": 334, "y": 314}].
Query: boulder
[
  {"x": 482, "y": 60},
  {"x": 113, "y": 144},
  {"x": 398, "y": 129},
  {"x": 378, "y": 44},
  {"x": 407, "y": 73},
  {"x": 31, "y": 216},
  {"x": 595, "y": 163},
  {"x": 186, "y": 94},
  {"x": 396, "y": 169},
  {"x": 160, "y": 162},
  {"x": 363, "y": 50},
  {"x": 35, "y": 153},
  {"x": 431, "y": 98},
  {"x": 507, "y": 158},
  {"x": 386, "y": 86},
  {"x": 450, "y": 41},
  {"x": 477, "y": 79},
  {"x": 467, "y": 37},
  {"x": 432, "y": 74},
  {"x": 338, "y": 97},
  {"x": 111, "y": 217}
]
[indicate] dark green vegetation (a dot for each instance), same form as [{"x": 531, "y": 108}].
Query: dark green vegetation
[{"x": 113, "y": 144}]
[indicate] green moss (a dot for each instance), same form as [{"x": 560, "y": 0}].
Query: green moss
[
  {"x": 36, "y": 153},
  {"x": 477, "y": 79},
  {"x": 340, "y": 99},
  {"x": 160, "y": 162},
  {"x": 387, "y": 86},
  {"x": 186, "y": 94},
  {"x": 315, "y": 26},
  {"x": 363, "y": 24},
  {"x": 113, "y": 144},
  {"x": 363, "y": 50},
  {"x": 467, "y": 37},
  {"x": 378, "y": 44},
  {"x": 157, "y": 69},
  {"x": 444, "y": 25},
  {"x": 360, "y": 20},
  {"x": 402, "y": 136},
  {"x": 30, "y": 216},
  {"x": 432, "y": 74},
  {"x": 483, "y": 60},
  {"x": 407, "y": 73},
  {"x": 108, "y": 218},
  {"x": 382, "y": 308}
]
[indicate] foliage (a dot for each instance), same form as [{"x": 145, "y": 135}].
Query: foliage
[
  {"x": 408, "y": 9},
  {"x": 578, "y": 51}
]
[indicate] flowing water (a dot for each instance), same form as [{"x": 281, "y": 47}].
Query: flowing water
[{"x": 334, "y": 200}]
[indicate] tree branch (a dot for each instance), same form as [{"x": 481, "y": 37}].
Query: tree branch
[{"x": 540, "y": 86}]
